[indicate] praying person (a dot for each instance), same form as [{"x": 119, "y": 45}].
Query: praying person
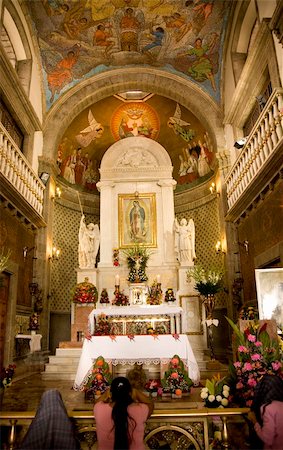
[{"x": 120, "y": 414}]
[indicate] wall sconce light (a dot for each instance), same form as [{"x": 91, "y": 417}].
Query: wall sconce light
[
  {"x": 212, "y": 188},
  {"x": 26, "y": 250},
  {"x": 55, "y": 254},
  {"x": 240, "y": 143},
  {"x": 245, "y": 244},
  {"x": 58, "y": 193},
  {"x": 219, "y": 248}
]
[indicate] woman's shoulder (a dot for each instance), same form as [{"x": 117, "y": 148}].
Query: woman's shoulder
[
  {"x": 275, "y": 406},
  {"x": 138, "y": 407},
  {"x": 99, "y": 406}
]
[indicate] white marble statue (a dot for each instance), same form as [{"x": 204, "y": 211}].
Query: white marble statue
[
  {"x": 185, "y": 241},
  {"x": 89, "y": 238}
]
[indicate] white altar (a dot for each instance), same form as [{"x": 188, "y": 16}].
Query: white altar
[
  {"x": 137, "y": 349},
  {"x": 126, "y": 317}
]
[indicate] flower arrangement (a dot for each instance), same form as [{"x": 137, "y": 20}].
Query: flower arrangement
[
  {"x": 152, "y": 385},
  {"x": 104, "y": 299},
  {"x": 154, "y": 296},
  {"x": 84, "y": 292},
  {"x": 257, "y": 354},
  {"x": 116, "y": 260},
  {"x": 176, "y": 379},
  {"x": 248, "y": 313},
  {"x": 120, "y": 299},
  {"x": 99, "y": 379},
  {"x": 137, "y": 258},
  {"x": 216, "y": 392},
  {"x": 102, "y": 326},
  {"x": 169, "y": 295},
  {"x": 7, "y": 375},
  {"x": 207, "y": 282}
]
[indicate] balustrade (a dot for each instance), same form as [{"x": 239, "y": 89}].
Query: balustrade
[
  {"x": 259, "y": 149},
  {"x": 190, "y": 428},
  {"x": 17, "y": 170}
]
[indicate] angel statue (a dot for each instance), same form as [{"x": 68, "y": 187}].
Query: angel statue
[
  {"x": 185, "y": 241},
  {"x": 89, "y": 238},
  {"x": 93, "y": 131}
]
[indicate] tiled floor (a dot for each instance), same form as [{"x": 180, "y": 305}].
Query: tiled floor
[{"x": 25, "y": 392}]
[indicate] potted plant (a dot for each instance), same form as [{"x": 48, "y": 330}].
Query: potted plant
[
  {"x": 176, "y": 380},
  {"x": 208, "y": 283},
  {"x": 216, "y": 392},
  {"x": 256, "y": 354},
  {"x": 152, "y": 386},
  {"x": 98, "y": 380}
]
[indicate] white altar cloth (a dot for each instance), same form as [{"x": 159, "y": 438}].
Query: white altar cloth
[
  {"x": 139, "y": 349},
  {"x": 131, "y": 310}
]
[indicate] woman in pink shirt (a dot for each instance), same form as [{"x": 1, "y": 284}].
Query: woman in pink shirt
[
  {"x": 120, "y": 415},
  {"x": 267, "y": 412}
]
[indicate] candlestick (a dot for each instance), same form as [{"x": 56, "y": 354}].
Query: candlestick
[
  {"x": 158, "y": 278},
  {"x": 117, "y": 280}
]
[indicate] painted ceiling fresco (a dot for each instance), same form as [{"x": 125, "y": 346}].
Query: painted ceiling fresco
[
  {"x": 79, "y": 39},
  {"x": 95, "y": 129}
]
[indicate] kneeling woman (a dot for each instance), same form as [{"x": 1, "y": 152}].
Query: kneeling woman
[{"x": 120, "y": 414}]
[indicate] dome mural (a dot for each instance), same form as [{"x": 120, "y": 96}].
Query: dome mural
[
  {"x": 96, "y": 128},
  {"x": 81, "y": 39}
]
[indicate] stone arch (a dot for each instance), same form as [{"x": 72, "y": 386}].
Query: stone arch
[{"x": 103, "y": 85}]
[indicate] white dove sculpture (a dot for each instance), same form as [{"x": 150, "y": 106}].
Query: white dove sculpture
[
  {"x": 176, "y": 119},
  {"x": 90, "y": 133}
]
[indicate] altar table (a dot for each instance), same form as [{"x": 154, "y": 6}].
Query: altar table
[
  {"x": 150, "y": 312},
  {"x": 141, "y": 349}
]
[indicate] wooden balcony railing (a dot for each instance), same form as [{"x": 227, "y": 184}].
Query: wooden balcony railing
[
  {"x": 261, "y": 155},
  {"x": 17, "y": 170},
  {"x": 182, "y": 428}
]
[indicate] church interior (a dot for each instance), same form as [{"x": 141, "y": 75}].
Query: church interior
[{"x": 141, "y": 158}]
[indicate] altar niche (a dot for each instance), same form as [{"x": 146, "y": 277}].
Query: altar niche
[{"x": 138, "y": 294}]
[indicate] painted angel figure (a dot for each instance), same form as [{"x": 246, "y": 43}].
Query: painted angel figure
[
  {"x": 90, "y": 133},
  {"x": 89, "y": 238},
  {"x": 185, "y": 241},
  {"x": 179, "y": 125}
]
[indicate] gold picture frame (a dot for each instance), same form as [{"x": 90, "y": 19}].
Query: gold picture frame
[
  {"x": 137, "y": 220},
  {"x": 192, "y": 307}
]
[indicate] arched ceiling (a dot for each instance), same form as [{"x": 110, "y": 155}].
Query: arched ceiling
[{"x": 79, "y": 39}]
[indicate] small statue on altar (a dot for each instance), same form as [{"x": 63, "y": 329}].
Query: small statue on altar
[
  {"x": 89, "y": 238},
  {"x": 185, "y": 241},
  {"x": 169, "y": 295},
  {"x": 104, "y": 298}
]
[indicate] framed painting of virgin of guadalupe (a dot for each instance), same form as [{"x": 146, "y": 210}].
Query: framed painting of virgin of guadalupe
[{"x": 137, "y": 220}]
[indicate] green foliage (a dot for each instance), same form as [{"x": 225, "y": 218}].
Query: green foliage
[
  {"x": 207, "y": 282},
  {"x": 137, "y": 258}
]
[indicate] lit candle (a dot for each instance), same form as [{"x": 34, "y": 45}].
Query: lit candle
[
  {"x": 158, "y": 278},
  {"x": 117, "y": 280}
]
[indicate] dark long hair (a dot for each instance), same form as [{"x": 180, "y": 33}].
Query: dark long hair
[
  {"x": 270, "y": 388},
  {"x": 121, "y": 397}
]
